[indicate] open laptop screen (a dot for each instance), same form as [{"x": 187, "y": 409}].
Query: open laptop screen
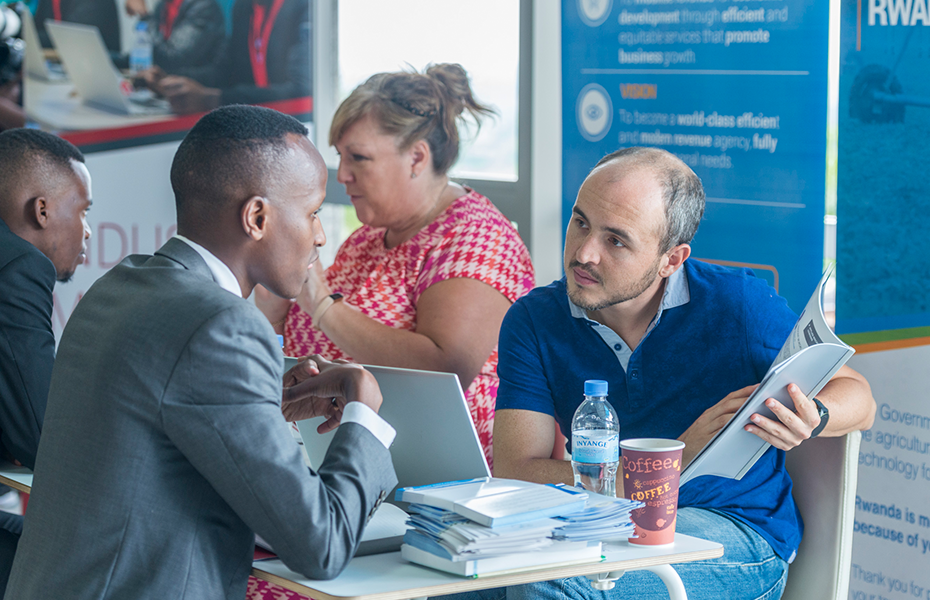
[{"x": 436, "y": 439}]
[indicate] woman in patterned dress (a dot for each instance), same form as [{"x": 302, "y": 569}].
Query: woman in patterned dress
[{"x": 425, "y": 281}]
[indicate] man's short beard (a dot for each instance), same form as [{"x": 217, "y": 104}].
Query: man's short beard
[
  {"x": 65, "y": 277},
  {"x": 633, "y": 291}
]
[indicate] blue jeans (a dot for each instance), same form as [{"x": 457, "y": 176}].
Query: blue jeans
[{"x": 748, "y": 570}]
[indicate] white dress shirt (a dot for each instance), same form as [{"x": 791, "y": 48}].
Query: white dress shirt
[{"x": 354, "y": 412}]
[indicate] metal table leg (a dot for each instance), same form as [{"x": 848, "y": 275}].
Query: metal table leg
[
  {"x": 605, "y": 581},
  {"x": 668, "y": 575}
]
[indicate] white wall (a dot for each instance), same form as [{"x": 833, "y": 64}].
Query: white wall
[
  {"x": 133, "y": 212},
  {"x": 546, "y": 184}
]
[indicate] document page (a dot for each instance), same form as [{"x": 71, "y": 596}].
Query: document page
[
  {"x": 811, "y": 327},
  {"x": 811, "y": 355}
]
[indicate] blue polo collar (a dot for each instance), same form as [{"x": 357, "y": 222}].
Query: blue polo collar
[{"x": 677, "y": 293}]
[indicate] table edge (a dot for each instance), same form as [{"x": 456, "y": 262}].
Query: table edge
[
  {"x": 19, "y": 487},
  {"x": 469, "y": 583}
]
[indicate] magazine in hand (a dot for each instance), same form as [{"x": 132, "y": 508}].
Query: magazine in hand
[{"x": 811, "y": 355}]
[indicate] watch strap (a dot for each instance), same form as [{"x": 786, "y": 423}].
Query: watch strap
[
  {"x": 824, "y": 418},
  {"x": 324, "y": 306}
]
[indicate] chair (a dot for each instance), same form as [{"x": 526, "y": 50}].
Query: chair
[{"x": 824, "y": 472}]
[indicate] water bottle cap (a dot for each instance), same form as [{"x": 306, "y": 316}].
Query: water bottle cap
[{"x": 595, "y": 387}]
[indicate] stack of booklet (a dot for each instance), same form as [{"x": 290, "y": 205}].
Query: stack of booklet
[
  {"x": 603, "y": 519},
  {"x": 489, "y": 525}
]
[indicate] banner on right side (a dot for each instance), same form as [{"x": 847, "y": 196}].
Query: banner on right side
[
  {"x": 883, "y": 283},
  {"x": 737, "y": 90},
  {"x": 883, "y": 171}
]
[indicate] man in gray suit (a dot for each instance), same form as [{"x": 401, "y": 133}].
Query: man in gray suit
[{"x": 164, "y": 445}]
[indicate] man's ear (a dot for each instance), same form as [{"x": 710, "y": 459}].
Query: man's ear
[
  {"x": 254, "y": 217},
  {"x": 37, "y": 212},
  {"x": 674, "y": 259}
]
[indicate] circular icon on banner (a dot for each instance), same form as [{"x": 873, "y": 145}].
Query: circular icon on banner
[
  {"x": 594, "y": 12},
  {"x": 594, "y": 112}
]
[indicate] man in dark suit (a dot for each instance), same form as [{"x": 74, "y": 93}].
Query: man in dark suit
[
  {"x": 267, "y": 59},
  {"x": 100, "y": 13},
  {"x": 164, "y": 448},
  {"x": 44, "y": 198}
]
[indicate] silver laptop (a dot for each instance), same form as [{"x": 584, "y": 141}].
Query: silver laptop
[
  {"x": 88, "y": 64},
  {"x": 436, "y": 439},
  {"x": 35, "y": 64}
]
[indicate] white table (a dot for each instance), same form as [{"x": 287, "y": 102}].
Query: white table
[
  {"x": 18, "y": 478},
  {"x": 389, "y": 577},
  {"x": 55, "y": 106}
]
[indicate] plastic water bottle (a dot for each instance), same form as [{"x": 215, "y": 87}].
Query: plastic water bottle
[
  {"x": 596, "y": 441},
  {"x": 140, "y": 57}
]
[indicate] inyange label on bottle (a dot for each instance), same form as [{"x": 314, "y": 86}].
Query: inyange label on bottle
[{"x": 597, "y": 446}]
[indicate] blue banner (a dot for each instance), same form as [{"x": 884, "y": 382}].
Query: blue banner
[
  {"x": 736, "y": 90},
  {"x": 883, "y": 189}
]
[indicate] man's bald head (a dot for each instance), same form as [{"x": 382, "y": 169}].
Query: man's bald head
[
  {"x": 231, "y": 154},
  {"x": 682, "y": 190}
]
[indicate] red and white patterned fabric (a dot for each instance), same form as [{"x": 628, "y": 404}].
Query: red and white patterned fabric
[
  {"x": 262, "y": 590},
  {"x": 471, "y": 238}
]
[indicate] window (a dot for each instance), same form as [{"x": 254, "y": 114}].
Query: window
[{"x": 482, "y": 35}]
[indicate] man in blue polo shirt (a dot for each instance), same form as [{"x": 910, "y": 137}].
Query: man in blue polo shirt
[{"x": 672, "y": 337}]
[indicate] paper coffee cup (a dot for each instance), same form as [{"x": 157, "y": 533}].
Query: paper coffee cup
[{"x": 651, "y": 472}]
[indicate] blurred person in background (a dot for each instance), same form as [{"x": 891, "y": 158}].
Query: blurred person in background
[
  {"x": 12, "y": 50},
  {"x": 100, "y": 13},
  {"x": 267, "y": 59},
  {"x": 188, "y": 36},
  {"x": 425, "y": 281}
]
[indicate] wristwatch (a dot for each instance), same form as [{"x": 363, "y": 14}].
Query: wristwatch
[
  {"x": 824, "y": 418},
  {"x": 323, "y": 306}
]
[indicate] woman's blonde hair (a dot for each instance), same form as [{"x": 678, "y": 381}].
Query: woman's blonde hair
[{"x": 415, "y": 106}]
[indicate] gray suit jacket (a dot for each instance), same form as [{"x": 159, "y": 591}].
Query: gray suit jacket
[{"x": 164, "y": 449}]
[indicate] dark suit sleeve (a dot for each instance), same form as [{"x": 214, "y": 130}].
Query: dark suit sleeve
[
  {"x": 196, "y": 40},
  {"x": 219, "y": 72},
  {"x": 223, "y": 411},
  {"x": 27, "y": 352}
]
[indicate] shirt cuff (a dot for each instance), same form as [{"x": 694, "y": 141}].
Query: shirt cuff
[{"x": 356, "y": 412}]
